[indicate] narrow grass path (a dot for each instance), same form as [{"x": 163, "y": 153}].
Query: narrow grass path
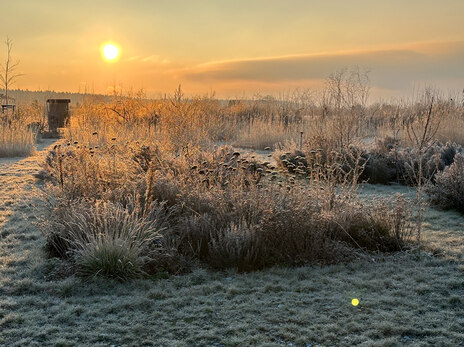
[
  {"x": 403, "y": 300},
  {"x": 17, "y": 178},
  {"x": 16, "y": 183}
]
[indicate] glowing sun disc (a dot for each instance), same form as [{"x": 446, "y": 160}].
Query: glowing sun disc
[{"x": 110, "y": 52}]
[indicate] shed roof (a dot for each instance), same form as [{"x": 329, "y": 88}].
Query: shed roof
[{"x": 58, "y": 101}]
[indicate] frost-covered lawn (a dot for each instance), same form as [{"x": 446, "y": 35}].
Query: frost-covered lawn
[{"x": 403, "y": 299}]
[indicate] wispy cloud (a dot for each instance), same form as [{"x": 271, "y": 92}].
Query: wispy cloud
[{"x": 154, "y": 58}]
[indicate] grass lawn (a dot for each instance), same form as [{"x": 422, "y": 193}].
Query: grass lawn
[{"x": 403, "y": 299}]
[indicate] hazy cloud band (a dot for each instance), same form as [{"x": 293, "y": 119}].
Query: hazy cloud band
[{"x": 390, "y": 68}]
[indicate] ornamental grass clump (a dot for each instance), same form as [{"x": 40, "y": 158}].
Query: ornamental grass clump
[{"x": 106, "y": 239}]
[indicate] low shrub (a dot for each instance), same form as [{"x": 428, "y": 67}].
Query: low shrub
[
  {"x": 377, "y": 226},
  {"x": 235, "y": 246},
  {"x": 383, "y": 164},
  {"x": 343, "y": 166},
  {"x": 448, "y": 189},
  {"x": 434, "y": 159}
]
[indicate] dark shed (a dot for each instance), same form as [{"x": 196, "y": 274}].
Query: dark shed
[{"x": 58, "y": 113}]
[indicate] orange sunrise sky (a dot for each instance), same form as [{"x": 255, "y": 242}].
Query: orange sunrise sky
[{"x": 234, "y": 47}]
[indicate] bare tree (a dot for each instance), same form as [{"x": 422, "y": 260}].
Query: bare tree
[
  {"x": 422, "y": 125},
  {"x": 348, "y": 88},
  {"x": 345, "y": 100},
  {"x": 8, "y": 72}
]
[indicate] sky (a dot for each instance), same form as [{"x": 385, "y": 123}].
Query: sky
[{"x": 234, "y": 48}]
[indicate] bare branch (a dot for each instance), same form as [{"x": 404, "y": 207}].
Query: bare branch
[{"x": 8, "y": 74}]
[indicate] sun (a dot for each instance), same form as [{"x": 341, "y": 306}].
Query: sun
[{"x": 110, "y": 52}]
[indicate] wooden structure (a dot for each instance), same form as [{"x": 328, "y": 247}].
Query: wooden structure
[
  {"x": 58, "y": 114},
  {"x": 7, "y": 107}
]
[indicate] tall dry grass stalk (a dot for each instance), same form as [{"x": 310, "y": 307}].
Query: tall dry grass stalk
[
  {"x": 261, "y": 134},
  {"x": 19, "y": 130},
  {"x": 16, "y": 140}
]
